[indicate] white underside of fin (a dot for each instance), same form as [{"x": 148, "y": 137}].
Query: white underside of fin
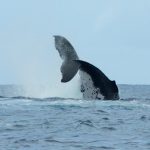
[{"x": 87, "y": 87}]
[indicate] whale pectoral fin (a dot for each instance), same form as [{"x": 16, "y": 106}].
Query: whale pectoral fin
[
  {"x": 66, "y": 51},
  {"x": 68, "y": 70}
]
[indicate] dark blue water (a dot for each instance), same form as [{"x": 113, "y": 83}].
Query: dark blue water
[{"x": 28, "y": 123}]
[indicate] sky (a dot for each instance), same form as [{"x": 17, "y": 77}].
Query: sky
[{"x": 111, "y": 34}]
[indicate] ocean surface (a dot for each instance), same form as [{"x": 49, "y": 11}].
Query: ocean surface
[{"x": 56, "y": 123}]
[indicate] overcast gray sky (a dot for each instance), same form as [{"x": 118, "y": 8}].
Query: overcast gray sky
[{"x": 114, "y": 35}]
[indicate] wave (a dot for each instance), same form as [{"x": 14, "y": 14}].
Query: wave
[
  {"x": 127, "y": 93},
  {"x": 36, "y": 98},
  {"x": 62, "y": 98}
]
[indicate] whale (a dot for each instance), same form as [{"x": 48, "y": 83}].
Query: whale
[{"x": 94, "y": 84}]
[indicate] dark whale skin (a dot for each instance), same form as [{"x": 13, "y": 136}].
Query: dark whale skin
[{"x": 106, "y": 87}]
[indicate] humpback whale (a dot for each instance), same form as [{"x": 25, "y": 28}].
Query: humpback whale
[{"x": 94, "y": 84}]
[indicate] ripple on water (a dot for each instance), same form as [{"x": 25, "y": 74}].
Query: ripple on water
[
  {"x": 143, "y": 118},
  {"x": 26, "y": 141},
  {"x": 105, "y": 118},
  {"x": 109, "y": 128},
  {"x": 148, "y": 145},
  {"x": 52, "y": 141},
  {"x": 102, "y": 111},
  {"x": 120, "y": 121},
  {"x": 100, "y": 148},
  {"x": 86, "y": 123},
  {"x": 19, "y": 126}
]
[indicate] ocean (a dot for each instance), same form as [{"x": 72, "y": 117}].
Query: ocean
[{"x": 57, "y": 123}]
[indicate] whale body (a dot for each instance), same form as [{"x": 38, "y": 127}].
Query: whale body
[{"x": 94, "y": 83}]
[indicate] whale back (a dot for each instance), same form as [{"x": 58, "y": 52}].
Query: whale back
[
  {"x": 68, "y": 54},
  {"x": 100, "y": 84}
]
